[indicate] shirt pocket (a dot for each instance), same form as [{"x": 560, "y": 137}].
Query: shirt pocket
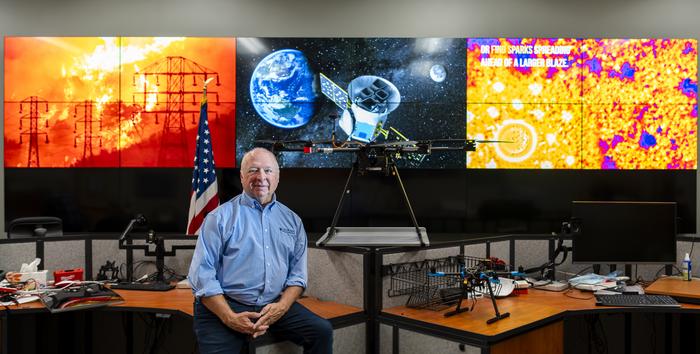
[{"x": 287, "y": 239}]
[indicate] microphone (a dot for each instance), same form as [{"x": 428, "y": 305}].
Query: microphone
[{"x": 138, "y": 220}]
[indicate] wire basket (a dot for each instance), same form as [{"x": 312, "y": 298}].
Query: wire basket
[{"x": 432, "y": 292}]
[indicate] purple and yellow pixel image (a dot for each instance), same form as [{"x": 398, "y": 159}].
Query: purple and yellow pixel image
[
  {"x": 640, "y": 136},
  {"x": 582, "y": 103},
  {"x": 640, "y": 103}
]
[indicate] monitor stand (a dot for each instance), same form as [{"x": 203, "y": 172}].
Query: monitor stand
[{"x": 159, "y": 284}]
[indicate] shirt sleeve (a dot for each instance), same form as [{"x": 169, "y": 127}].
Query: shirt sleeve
[
  {"x": 202, "y": 274},
  {"x": 297, "y": 268}
]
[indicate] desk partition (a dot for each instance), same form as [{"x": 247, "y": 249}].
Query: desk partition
[{"x": 347, "y": 275}]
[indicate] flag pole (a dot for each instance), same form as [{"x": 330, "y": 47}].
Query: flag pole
[{"x": 206, "y": 82}]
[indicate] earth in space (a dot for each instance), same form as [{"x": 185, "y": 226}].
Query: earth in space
[{"x": 282, "y": 89}]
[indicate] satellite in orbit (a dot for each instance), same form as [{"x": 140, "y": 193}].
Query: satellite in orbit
[{"x": 366, "y": 104}]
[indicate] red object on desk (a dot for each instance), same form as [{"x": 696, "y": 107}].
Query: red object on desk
[
  {"x": 522, "y": 291},
  {"x": 68, "y": 275}
]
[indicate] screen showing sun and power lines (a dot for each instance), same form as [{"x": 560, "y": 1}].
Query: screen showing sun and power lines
[{"x": 116, "y": 101}]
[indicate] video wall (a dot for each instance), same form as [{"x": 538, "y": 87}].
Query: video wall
[
  {"x": 531, "y": 103},
  {"x": 100, "y": 129}
]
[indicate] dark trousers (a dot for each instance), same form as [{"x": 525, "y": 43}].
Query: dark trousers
[{"x": 298, "y": 325}]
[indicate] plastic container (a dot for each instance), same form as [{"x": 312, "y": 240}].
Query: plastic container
[{"x": 686, "y": 268}]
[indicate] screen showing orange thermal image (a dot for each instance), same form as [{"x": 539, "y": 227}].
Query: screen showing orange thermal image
[
  {"x": 582, "y": 103},
  {"x": 117, "y": 101}
]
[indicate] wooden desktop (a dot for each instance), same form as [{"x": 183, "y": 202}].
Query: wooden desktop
[
  {"x": 180, "y": 302},
  {"x": 685, "y": 291},
  {"x": 535, "y": 324}
]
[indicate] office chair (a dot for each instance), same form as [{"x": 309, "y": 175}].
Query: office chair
[{"x": 35, "y": 226}]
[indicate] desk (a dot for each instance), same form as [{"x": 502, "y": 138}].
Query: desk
[
  {"x": 179, "y": 302},
  {"x": 686, "y": 291},
  {"x": 535, "y": 324}
]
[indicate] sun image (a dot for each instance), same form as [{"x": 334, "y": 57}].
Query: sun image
[
  {"x": 526, "y": 135},
  {"x": 116, "y": 101}
]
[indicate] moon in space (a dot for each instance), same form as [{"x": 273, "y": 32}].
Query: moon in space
[{"x": 438, "y": 73}]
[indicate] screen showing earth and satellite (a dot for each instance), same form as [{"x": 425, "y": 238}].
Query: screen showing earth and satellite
[{"x": 555, "y": 103}]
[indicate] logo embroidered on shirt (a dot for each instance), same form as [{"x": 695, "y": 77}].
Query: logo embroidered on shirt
[{"x": 287, "y": 231}]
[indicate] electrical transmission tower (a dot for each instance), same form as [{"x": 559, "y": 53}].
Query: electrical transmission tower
[
  {"x": 181, "y": 76},
  {"x": 33, "y": 131},
  {"x": 87, "y": 121}
]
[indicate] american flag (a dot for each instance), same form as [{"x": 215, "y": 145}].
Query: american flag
[{"x": 205, "y": 192}]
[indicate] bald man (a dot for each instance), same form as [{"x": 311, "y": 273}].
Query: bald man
[{"x": 249, "y": 268}]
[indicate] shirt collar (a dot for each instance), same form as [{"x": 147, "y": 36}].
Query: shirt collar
[{"x": 251, "y": 202}]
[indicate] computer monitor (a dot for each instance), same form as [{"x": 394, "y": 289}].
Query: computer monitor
[{"x": 607, "y": 232}]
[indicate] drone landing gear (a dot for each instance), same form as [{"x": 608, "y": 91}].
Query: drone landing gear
[
  {"x": 374, "y": 236},
  {"x": 466, "y": 289},
  {"x": 499, "y": 316}
]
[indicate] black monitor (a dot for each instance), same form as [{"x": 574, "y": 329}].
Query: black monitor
[{"x": 607, "y": 232}]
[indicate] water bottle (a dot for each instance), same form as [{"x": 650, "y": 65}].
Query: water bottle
[{"x": 686, "y": 268}]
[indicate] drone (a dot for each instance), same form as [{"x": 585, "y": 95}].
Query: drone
[
  {"x": 474, "y": 279},
  {"x": 372, "y": 156},
  {"x": 365, "y": 106}
]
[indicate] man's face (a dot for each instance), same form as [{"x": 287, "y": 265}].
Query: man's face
[{"x": 260, "y": 176}]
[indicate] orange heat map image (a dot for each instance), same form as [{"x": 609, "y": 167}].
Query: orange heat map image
[
  {"x": 582, "y": 103},
  {"x": 116, "y": 101}
]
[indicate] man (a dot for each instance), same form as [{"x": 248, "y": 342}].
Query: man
[{"x": 249, "y": 267}]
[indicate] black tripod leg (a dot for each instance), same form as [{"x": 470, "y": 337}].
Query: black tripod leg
[
  {"x": 462, "y": 296},
  {"x": 339, "y": 208},
  {"x": 499, "y": 315},
  {"x": 395, "y": 171}
]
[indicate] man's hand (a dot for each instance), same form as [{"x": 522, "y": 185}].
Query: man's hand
[
  {"x": 271, "y": 313},
  {"x": 242, "y": 322},
  {"x": 274, "y": 311}
]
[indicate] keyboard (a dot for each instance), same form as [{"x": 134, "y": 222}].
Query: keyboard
[
  {"x": 636, "y": 300},
  {"x": 143, "y": 286}
]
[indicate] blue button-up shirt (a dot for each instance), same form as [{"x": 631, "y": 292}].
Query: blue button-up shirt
[{"x": 248, "y": 252}]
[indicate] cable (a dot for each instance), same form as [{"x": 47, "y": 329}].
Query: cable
[
  {"x": 169, "y": 274},
  {"x": 568, "y": 291},
  {"x": 678, "y": 271},
  {"x": 692, "y": 244}
]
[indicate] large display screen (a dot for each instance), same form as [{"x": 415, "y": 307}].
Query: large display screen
[
  {"x": 363, "y": 89},
  {"x": 582, "y": 103},
  {"x": 116, "y": 101},
  {"x": 535, "y": 103},
  {"x": 115, "y": 117}
]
